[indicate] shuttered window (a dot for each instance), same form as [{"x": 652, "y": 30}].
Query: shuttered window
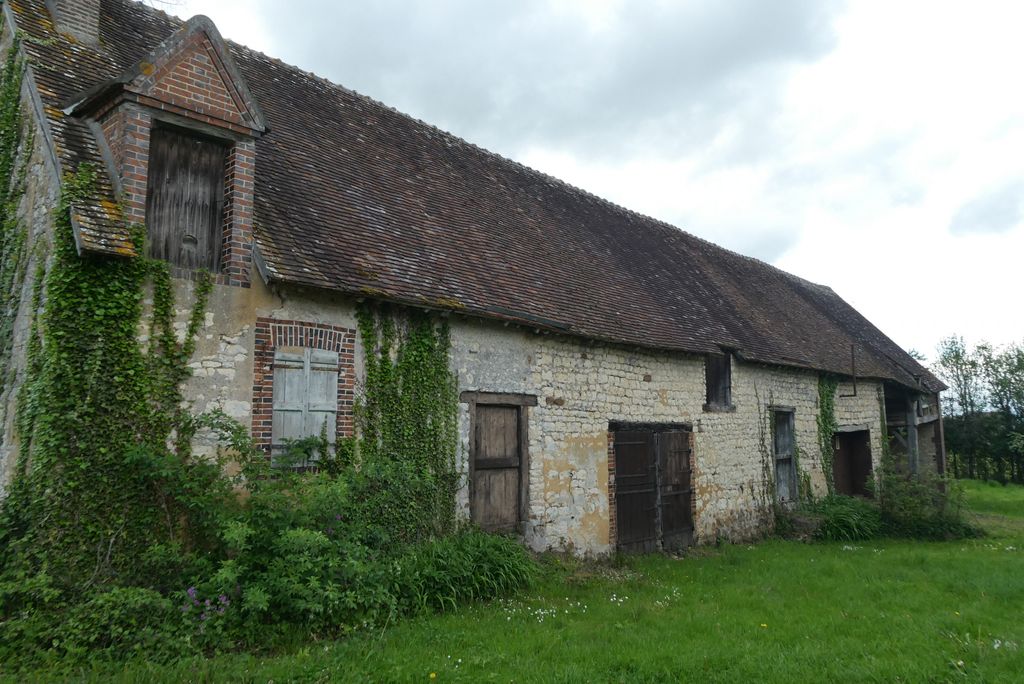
[
  {"x": 785, "y": 467},
  {"x": 185, "y": 199},
  {"x": 305, "y": 397}
]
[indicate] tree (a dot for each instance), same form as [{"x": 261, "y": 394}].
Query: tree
[
  {"x": 986, "y": 401},
  {"x": 960, "y": 368}
]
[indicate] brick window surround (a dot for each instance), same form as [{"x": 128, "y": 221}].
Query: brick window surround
[
  {"x": 271, "y": 334},
  {"x": 613, "y": 511}
]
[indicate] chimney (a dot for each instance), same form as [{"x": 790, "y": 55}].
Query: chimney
[{"x": 78, "y": 18}]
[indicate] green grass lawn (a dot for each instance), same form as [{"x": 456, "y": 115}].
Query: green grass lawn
[{"x": 775, "y": 611}]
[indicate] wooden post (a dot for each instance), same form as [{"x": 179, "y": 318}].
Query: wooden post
[
  {"x": 940, "y": 445},
  {"x": 912, "y": 449}
]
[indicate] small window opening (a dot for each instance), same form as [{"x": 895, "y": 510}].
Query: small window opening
[
  {"x": 718, "y": 374},
  {"x": 185, "y": 199}
]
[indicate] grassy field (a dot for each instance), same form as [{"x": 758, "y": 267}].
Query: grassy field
[{"x": 776, "y": 611}]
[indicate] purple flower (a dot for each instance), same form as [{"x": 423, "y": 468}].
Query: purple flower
[
  {"x": 223, "y": 599},
  {"x": 191, "y": 592}
]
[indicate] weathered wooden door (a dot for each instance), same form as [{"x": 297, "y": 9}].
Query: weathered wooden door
[
  {"x": 636, "y": 495},
  {"x": 851, "y": 463},
  {"x": 674, "y": 491},
  {"x": 496, "y": 486},
  {"x": 653, "y": 492},
  {"x": 185, "y": 199}
]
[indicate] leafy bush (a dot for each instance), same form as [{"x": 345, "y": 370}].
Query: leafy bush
[
  {"x": 119, "y": 541},
  {"x": 925, "y": 506},
  {"x": 335, "y": 554},
  {"x": 123, "y": 622},
  {"x": 846, "y": 518}
]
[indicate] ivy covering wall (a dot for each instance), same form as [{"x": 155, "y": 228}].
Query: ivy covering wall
[
  {"x": 827, "y": 425},
  {"x": 408, "y": 412},
  {"x": 95, "y": 483},
  {"x": 15, "y": 148}
]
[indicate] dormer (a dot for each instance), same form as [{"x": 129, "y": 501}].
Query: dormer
[{"x": 178, "y": 132}]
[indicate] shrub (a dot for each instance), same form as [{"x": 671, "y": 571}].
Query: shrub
[
  {"x": 123, "y": 622},
  {"x": 925, "y": 506},
  {"x": 336, "y": 554},
  {"x": 846, "y": 518}
]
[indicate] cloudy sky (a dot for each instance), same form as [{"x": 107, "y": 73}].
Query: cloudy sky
[{"x": 877, "y": 147}]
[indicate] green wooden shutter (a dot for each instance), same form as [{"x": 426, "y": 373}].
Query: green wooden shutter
[
  {"x": 322, "y": 394},
  {"x": 305, "y": 396}
]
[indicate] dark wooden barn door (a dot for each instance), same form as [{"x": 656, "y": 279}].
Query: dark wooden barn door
[
  {"x": 636, "y": 493},
  {"x": 674, "y": 493},
  {"x": 496, "y": 472},
  {"x": 851, "y": 463},
  {"x": 185, "y": 199},
  {"x": 653, "y": 494}
]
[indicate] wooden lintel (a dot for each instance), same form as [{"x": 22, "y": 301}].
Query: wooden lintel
[{"x": 500, "y": 398}]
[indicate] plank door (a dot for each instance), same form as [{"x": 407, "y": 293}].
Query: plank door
[
  {"x": 497, "y": 472},
  {"x": 185, "y": 199},
  {"x": 636, "y": 495},
  {"x": 674, "y": 489}
]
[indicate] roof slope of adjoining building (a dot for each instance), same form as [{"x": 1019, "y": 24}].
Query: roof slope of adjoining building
[{"x": 353, "y": 196}]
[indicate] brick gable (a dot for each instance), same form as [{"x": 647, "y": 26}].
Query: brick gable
[{"x": 194, "y": 82}]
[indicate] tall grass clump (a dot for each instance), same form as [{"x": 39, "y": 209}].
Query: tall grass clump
[{"x": 846, "y": 518}]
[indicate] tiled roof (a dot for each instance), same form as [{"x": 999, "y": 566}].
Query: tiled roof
[{"x": 353, "y": 196}]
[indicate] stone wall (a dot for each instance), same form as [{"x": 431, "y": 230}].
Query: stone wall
[
  {"x": 927, "y": 434},
  {"x": 860, "y": 407},
  {"x": 581, "y": 387},
  {"x": 224, "y": 364}
]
